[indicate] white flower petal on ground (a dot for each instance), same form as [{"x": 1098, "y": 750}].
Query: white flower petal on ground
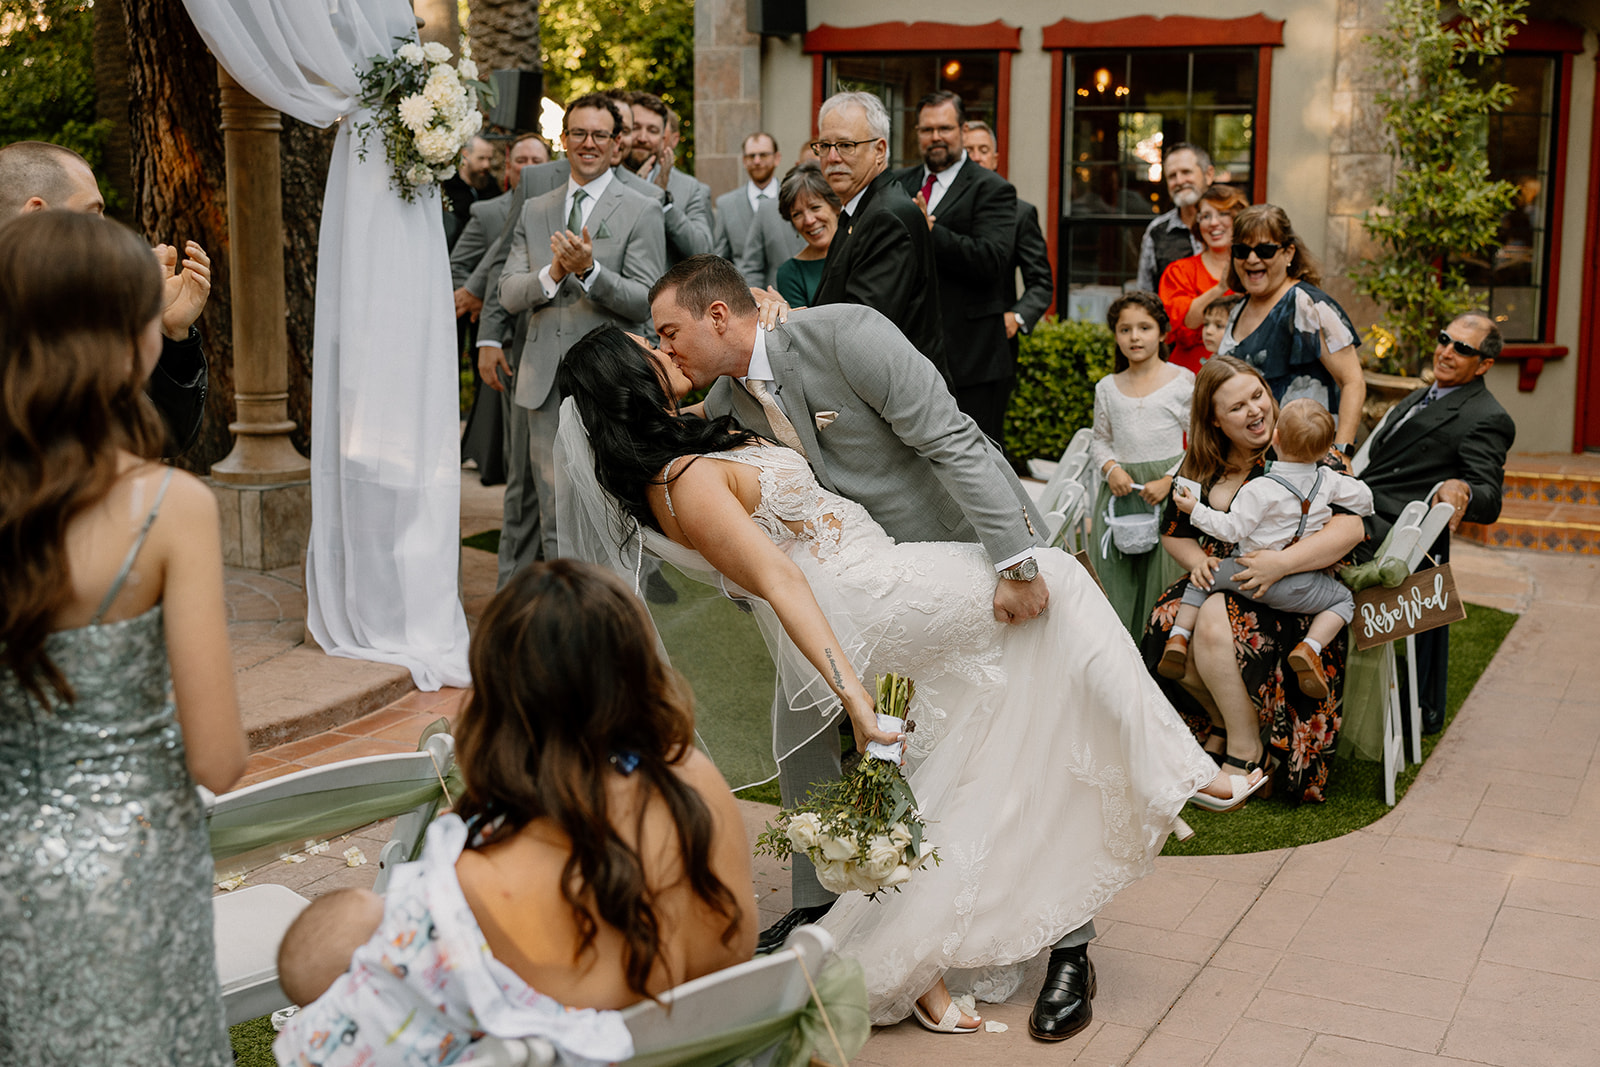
[
  {"x": 354, "y": 857},
  {"x": 230, "y": 883},
  {"x": 316, "y": 848}
]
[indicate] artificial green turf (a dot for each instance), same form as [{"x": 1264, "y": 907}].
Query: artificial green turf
[
  {"x": 252, "y": 1043},
  {"x": 488, "y": 541},
  {"x": 1355, "y": 787}
]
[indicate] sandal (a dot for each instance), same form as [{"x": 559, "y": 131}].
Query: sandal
[
  {"x": 949, "y": 1022},
  {"x": 1217, "y": 734},
  {"x": 1241, "y": 788}
]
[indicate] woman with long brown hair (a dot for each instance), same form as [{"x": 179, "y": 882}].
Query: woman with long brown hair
[
  {"x": 596, "y": 858},
  {"x": 110, "y": 599},
  {"x": 1233, "y": 693}
]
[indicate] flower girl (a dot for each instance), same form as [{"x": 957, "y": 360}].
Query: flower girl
[{"x": 1140, "y": 414}]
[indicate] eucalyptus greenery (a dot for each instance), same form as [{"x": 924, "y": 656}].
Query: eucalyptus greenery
[{"x": 1443, "y": 207}]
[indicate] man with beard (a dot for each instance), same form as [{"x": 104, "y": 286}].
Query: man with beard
[
  {"x": 685, "y": 202},
  {"x": 1188, "y": 172},
  {"x": 972, "y": 215},
  {"x": 473, "y": 181},
  {"x": 737, "y": 208}
]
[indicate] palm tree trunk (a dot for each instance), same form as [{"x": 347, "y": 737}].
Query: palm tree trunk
[{"x": 504, "y": 35}]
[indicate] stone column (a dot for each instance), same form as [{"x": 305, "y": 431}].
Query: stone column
[
  {"x": 727, "y": 92},
  {"x": 263, "y": 486}
]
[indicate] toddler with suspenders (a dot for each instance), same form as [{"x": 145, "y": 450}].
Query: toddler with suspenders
[{"x": 1295, "y": 498}]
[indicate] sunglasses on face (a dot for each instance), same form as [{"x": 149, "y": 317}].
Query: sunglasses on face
[
  {"x": 1264, "y": 251},
  {"x": 1461, "y": 347}
]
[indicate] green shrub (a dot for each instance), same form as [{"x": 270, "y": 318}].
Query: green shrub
[{"x": 1057, "y": 367}]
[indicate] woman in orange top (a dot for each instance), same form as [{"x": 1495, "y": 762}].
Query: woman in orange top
[{"x": 1190, "y": 285}]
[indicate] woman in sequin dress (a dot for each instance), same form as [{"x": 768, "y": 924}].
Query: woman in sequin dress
[{"x": 116, "y": 688}]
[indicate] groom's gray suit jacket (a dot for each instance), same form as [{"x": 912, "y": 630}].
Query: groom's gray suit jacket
[{"x": 900, "y": 447}]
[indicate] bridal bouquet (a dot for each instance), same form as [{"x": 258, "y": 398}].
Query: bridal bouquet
[
  {"x": 864, "y": 831},
  {"x": 426, "y": 109}
]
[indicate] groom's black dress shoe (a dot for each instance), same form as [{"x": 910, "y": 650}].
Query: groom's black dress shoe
[
  {"x": 1063, "y": 1006},
  {"x": 773, "y": 937}
]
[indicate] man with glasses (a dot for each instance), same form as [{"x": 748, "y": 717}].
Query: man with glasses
[
  {"x": 882, "y": 252},
  {"x": 1453, "y": 434},
  {"x": 581, "y": 255},
  {"x": 972, "y": 215},
  {"x": 1188, "y": 173}
]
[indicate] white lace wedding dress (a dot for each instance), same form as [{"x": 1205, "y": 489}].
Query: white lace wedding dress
[{"x": 1046, "y": 761}]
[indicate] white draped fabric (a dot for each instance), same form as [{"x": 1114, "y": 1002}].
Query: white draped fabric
[{"x": 381, "y": 570}]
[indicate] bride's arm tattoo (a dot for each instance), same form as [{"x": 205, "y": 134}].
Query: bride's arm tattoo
[{"x": 838, "y": 678}]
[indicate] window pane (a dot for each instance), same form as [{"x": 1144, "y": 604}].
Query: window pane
[
  {"x": 1159, "y": 81},
  {"x": 1225, "y": 79},
  {"x": 1096, "y": 76}
]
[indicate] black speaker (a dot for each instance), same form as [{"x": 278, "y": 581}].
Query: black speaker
[
  {"x": 775, "y": 18},
  {"x": 517, "y": 94}
]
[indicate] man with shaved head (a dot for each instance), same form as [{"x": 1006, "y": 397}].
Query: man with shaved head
[{"x": 36, "y": 176}]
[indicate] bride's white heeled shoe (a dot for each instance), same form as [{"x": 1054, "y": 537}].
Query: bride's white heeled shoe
[{"x": 949, "y": 1022}]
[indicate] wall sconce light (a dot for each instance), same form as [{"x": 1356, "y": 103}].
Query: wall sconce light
[{"x": 952, "y": 70}]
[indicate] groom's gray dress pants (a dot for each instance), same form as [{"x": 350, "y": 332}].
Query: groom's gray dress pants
[{"x": 818, "y": 761}]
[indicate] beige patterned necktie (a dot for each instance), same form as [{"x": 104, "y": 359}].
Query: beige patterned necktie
[{"x": 782, "y": 428}]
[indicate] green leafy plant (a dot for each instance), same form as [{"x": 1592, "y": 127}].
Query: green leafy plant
[
  {"x": 1443, "y": 208},
  {"x": 1057, "y": 366}
]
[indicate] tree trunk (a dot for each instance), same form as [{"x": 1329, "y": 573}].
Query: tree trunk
[
  {"x": 179, "y": 184},
  {"x": 111, "y": 102},
  {"x": 441, "y": 21},
  {"x": 504, "y": 35}
]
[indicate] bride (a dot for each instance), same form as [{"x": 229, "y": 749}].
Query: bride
[{"x": 1047, "y": 763}]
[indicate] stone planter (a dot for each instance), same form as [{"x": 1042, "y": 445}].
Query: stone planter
[{"x": 1384, "y": 391}]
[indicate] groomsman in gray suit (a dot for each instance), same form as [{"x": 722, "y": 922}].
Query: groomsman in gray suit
[
  {"x": 686, "y": 202},
  {"x": 580, "y": 256},
  {"x": 898, "y": 446},
  {"x": 737, "y": 208}
]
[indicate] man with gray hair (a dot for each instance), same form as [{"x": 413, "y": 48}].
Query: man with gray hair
[
  {"x": 1188, "y": 173},
  {"x": 882, "y": 252}
]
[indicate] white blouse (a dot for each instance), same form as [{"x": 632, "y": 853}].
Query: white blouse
[{"x": 1138, "y": 429}]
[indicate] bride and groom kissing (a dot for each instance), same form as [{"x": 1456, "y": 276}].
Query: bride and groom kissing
[{"x": 891, "y": 536}]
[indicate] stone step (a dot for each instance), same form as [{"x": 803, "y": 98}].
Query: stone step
[{"x": 1542, "y": 525}]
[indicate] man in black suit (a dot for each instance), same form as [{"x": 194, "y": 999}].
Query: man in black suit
[
  {"x": 882, "y": 252},
  {"x": 972, "y": 215},
  {"x": 1455, "y": 435},
  {"x": 1030, "y": 254},
  {"x": 473, "y": 181}
]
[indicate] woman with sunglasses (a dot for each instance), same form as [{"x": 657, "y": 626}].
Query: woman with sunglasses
[{"x": 1296, "y": 335}]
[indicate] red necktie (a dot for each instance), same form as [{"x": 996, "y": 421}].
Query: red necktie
[{"x": 927, "y": 188}]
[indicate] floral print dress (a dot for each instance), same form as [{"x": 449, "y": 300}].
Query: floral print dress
[{"x": 1300, "y": 732}]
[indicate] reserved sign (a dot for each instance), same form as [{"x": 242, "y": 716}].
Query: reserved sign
[{"x": 1424, "y": 601}]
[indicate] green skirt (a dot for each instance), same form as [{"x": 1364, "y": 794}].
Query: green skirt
[{"x": 1132, "y": 583}]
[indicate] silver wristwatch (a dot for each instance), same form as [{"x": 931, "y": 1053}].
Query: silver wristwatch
[{"x": 1024, "y": 571}]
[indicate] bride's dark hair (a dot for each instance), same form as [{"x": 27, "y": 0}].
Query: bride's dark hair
[
  {"x": 631, "y": 419},
  {"x": 567, "y": 685}
]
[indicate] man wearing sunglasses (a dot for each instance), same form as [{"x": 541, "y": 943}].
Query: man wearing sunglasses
[{"x": 1453, "y": 434}]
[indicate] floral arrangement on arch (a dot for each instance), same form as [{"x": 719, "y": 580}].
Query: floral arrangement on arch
[
  {"x": 863, "y": 831},
  {"x": 427, "y": 110}
]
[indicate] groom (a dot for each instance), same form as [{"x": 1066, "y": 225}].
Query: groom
[{"x": 896, "y": 444}]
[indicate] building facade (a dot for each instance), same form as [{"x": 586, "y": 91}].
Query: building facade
[{"x": 1280, "y": 92}]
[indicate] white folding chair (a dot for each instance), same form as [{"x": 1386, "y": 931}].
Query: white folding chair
[
  {"x": 695, "y": 1013},
  {"x": 1054, "y": 474},
  {"x": 1066, "y": 520},
  {"x": 249, "y": 923},
  {"x": 1415, "y": 531}
]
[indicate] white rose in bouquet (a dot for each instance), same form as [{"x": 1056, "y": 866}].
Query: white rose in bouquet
[
  {"x": 435, "y": 52},
  {"x": 883, "y": 856},
  {"x": 416, "y": 111},
  {"x": 412, "y": 53},
  {"x": 834, "y": 875},
  {"x": 471, "y": 123},
  {"x": 834, "y": 847},
  {"x": 923, "y": 856},
  {"x": 900, "y": 834},
  {"x": 419, "y": 174},
  {"x": 860, "y": 879},
  {"x": 899, "y": 876},
  {"x": 804, "y": 829},
  {"x": 468, "y": 68}
]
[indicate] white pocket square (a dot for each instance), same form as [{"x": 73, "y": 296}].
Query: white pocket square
[{"x": 825, "y": 419}]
